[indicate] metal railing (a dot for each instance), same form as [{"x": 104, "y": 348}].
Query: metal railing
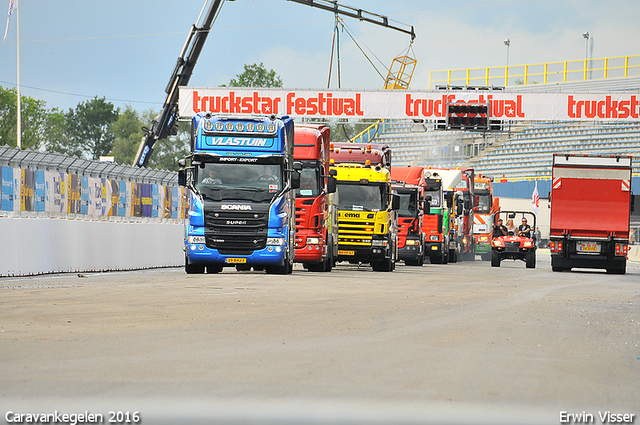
[{"x": 540, "y": 73}]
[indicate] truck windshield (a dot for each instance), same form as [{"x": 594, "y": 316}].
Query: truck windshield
[
  {"x": 309, "y": 183},
  {"x": 241, "y": 182},
  {"x": 435, "y": 198},
  {"x": 361, "y": 198},
  {"x": 408, "y": 204},
  {"x": 484, "y": 202}
]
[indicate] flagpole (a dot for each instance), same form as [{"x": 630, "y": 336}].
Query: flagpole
[{"x": 19, "y": 104}]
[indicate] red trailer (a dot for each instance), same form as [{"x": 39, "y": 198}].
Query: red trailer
[
  {"x": 590, "y": 207},
  {"x": 316, "y": 224}
]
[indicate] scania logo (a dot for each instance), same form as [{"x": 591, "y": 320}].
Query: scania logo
[
  {"x": 236, "y": 222},
  {"x": 235, "y": 207}
]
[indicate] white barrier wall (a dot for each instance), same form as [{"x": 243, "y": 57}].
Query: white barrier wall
[{"x": 41, "y": 245}]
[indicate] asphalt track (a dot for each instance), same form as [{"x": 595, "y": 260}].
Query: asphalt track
[{"x": 458, "y": 343}]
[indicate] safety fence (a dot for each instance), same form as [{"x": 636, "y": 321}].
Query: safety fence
[
  {"x": 67, "y": 214},
  {"x": 39, "y": 184}
]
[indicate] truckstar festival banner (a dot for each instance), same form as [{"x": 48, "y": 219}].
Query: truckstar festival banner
[{"x": 429, "y": 105}]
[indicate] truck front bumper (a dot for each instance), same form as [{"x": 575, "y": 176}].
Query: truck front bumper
[
  {"x": 269, "y": 256},
  {"x": 362, "y": 254}
]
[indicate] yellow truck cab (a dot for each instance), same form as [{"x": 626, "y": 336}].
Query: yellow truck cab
[{"x": 367, "y": 215}]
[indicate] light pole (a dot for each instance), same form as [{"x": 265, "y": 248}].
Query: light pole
[
  {"x": 507, "y": 43},
  {"x": 586, "y": 52}
]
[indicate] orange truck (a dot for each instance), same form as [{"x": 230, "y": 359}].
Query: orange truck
[
  {"x": 316, "y": 242},
  {"x": 486, "y": 206}
]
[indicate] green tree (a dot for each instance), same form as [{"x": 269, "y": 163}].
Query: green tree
[
  {"x": 89, "y": 128},
  {"x": 127, "y": 132},
  {"x": 256, "y": 76},
  {"x": 34, "y": 116},
  {"x": 55, "y": 135}
]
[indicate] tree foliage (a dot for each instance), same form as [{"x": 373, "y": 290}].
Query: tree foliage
[
  {"x": 89, "y": 128},
  {"x": 256, "y": 76},
  {"x": 33, "y": 119}
]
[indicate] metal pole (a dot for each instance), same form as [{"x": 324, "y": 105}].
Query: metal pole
[{"x": 19, "y": 103}]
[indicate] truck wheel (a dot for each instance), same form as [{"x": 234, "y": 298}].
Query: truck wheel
[
  {"x": 495, "y": 259},
  {"x": 437, "y": 259},
  {"x": 557, "y": 268},
  {"x": 617, "y": 271},
  {"x": 192, "y": 268},
  {"x": 383, "y": 266},
  {"x": 216, "y": 269},
  {"x": 315, "y": 267},
  {"x": 531, "y": 260},
  {"x": 453, "y": 256}
]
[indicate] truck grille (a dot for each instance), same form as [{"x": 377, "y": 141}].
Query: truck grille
[
  {"x": 355, "y": 232},
  {"x": 512, "y": 246},
  {"x": 234, "y": 231}
]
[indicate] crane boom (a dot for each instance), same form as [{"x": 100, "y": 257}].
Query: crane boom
[
  {"x": 352, "y": 12},
  {"x": 164, "y": 124}
]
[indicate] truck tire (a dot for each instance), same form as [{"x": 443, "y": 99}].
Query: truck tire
[
  {"x": 192, "y": 268},
  {"x": 453, "y": 255},
  {"x": 495, "y": 259},
  {"x": 216, "y": 269},
  {"x": 617, "y": 270},
  {"x": 385, "y": 265},
  {"x": 530, "y": 260}
]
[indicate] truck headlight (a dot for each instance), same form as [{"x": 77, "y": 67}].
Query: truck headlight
[
  {"x": 412, "y": 242},
  {"x": 196, "y": 239},
  {"x": 434, "y": 237},
  {"x": 275, "y": 241},
  {"x": 379, "y": 242},
  {"x": 528, "y": 244},
  {"x": 483, "y": 239},
  {"x": 313, "y": 241}
]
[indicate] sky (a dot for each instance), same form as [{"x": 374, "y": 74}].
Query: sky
[{"x": 125, "y": 50}]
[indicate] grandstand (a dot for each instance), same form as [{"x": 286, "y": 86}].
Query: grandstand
[{"x": 523, "y": 149}]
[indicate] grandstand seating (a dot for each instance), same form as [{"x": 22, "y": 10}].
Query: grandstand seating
[{"x": 524, "y": 150}]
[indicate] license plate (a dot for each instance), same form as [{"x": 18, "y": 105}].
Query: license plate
[
  {"x": 236, "y": 260},
  {"x": 346, "y": 253},
  {"x": 589, "y": 247}
]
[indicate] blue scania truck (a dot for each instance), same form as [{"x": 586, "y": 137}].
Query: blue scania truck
[{"x": 242, "y": 209}]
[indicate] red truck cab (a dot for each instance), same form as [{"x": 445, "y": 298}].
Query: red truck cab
[
  {"x": 316, "y": 226},
  {"x": 409, "y": 184}
]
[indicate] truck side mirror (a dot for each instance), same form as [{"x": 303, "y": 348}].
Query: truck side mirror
[
  {"x": 297, "y": 166},
  {"x": 427, "y": 204},
  {"x": 182, "y": 177},
  {"x": 496, "y": 204},
  {"x": 331, "y": 184},
  {"x": 395, "y": 202},
  {"x": 333, "y": 172},
  {"x": 295, "y": 179}
]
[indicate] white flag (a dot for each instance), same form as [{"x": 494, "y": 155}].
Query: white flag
[
  {"x": 535, "y": 199},
  {"x": 6, "y": 30}
]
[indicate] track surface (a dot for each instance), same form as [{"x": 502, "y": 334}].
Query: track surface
[{"x": 457, "y": 343}]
